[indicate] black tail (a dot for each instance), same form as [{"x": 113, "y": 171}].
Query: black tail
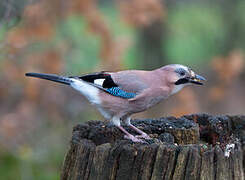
[{"x": 51, "y": 77}]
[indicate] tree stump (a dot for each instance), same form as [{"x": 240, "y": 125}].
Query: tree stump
[{"x": 198, "y": 146}]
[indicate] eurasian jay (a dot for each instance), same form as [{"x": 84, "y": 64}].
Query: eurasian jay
[{"x": 118, "y": 95}]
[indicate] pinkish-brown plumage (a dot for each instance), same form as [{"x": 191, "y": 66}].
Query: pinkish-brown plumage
[
  {"x": 150, "y": 90},
  {"x": 118, "y": 95}
]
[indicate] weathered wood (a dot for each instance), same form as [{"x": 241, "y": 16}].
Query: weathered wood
[
  {"x": 179, "y": 172},
  {"x": 165, "y": 162},
  {"x": 196, "y": 146},
  {"x": 222, "y": 165},
  {"x": 207, "y": 165},
  {"x": 99, "y": 160},
  {"x": 192, "y": 171}
]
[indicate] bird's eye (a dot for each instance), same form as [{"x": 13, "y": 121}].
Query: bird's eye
[{"x": 182, "y": 73}]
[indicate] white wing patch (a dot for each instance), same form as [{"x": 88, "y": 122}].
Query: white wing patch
[
  {"x": 89, "y": 91},
  {"x": 99, "y": 81}
]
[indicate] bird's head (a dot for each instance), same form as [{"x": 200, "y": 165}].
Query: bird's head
[{"x": 179, "y": 76}]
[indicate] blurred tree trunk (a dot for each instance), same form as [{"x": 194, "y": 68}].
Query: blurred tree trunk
[
  {"x": 147, "y": 16},
  {"x": 233, "y": 25},
  {"x": 150, "y": 45}
]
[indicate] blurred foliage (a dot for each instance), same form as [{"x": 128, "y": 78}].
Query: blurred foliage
[
  {"x": 196, "y": 33},
  {"x": 76, "y": 37},
  {"x": 10, "y": 165},
  {"x": 25, "y": 166},
  {"x": 240, "y": 18},
  {"x": 10, "y": 11},
  {"x": 126, "y": 32},
  {"x": 82, "y": 47}
]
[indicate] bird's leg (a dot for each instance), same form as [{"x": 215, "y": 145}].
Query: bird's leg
[
  {"x": 116, "y": 121},
  {"x": 142, "y": 134}
]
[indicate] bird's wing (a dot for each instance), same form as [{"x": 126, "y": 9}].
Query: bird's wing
[
  {"x": 123, "y": 84},
  {"x": 143, "y": 94},
  {"x": 151, "y": 92}
]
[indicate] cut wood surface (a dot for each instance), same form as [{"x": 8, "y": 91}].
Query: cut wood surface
[{"x": 198, "y": 146}]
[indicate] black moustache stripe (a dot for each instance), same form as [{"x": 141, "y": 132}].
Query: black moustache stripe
[{"x": 181, "y": 81}]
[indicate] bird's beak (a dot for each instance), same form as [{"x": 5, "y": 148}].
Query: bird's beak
[{"x": 197, "y": 79}]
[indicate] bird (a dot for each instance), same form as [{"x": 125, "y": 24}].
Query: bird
[{"x": 118, "y": 95}]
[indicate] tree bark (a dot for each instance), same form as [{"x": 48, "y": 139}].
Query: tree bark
[{"x": 198, "y": 146}]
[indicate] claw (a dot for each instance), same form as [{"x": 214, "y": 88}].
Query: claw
[
  {"x": 143, "y": 136},
  {"x": 133, "y": 138},
  {"x": 130, "y": 136}
]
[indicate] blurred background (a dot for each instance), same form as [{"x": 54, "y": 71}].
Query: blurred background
[{"x": 81, "y": 36}]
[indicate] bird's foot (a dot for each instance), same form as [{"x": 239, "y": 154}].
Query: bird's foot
[
  {"x": 133, "y": 138},
  {"x": 143, "y": 136}
]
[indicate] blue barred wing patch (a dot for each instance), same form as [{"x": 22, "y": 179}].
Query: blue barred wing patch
[{"x": 116, "y": 91}]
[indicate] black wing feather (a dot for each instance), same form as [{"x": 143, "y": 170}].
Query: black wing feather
[{"x": 108, "y": 82}]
